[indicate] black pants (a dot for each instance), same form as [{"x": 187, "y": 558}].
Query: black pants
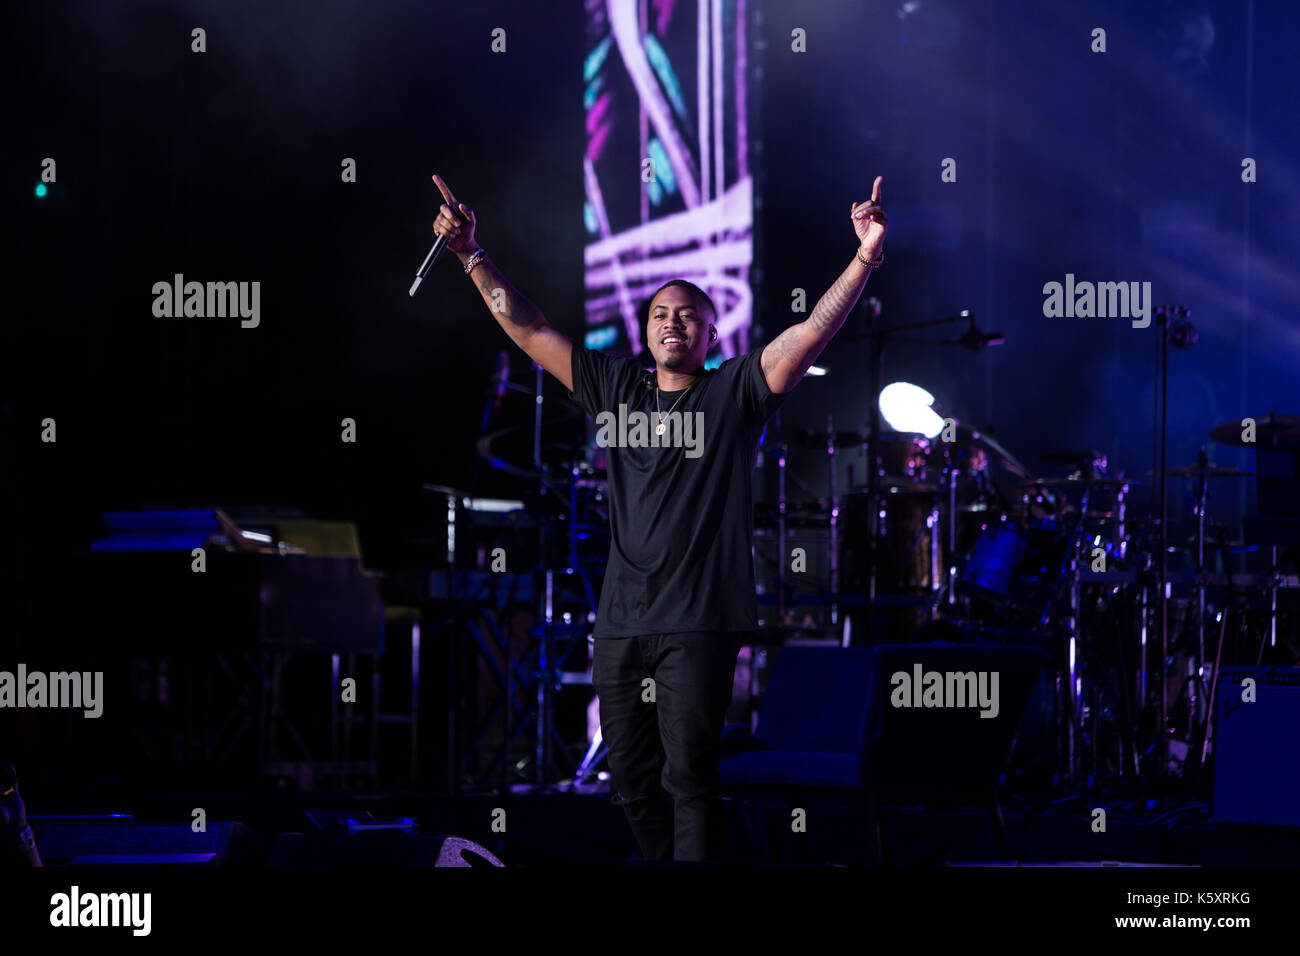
[{"x": 664, "y": 747}]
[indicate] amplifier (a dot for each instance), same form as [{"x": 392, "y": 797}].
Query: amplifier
[
  {"x": 1257, "y": 748},
  {"x": 1278, "y": 481}
]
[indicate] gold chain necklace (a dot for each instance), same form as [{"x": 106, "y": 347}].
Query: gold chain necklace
[{"x": 661, "y": 427}]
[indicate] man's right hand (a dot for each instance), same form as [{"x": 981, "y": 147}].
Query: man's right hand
[{"x": 456, "y": 221}]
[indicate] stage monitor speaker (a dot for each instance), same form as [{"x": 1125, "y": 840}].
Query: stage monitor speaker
[
  {"x": 1257, "y": 748},
  {"x": 338, "y": 850},
  {"x": 129, "y": 843}
]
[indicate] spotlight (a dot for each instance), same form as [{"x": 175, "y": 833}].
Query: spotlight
[{"x": 907, "y": 408}]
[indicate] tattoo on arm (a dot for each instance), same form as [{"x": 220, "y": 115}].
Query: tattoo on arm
[
  {"x": 834, "y": 307},
  {"x": 517, "y": 310},
  {"x": 791, "y": 353},
  {"x": 785, "y": 349}
]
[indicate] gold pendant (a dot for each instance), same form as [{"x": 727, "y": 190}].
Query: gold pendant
[{"x": 659, "y": 430}]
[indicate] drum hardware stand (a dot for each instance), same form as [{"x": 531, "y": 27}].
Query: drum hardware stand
[
  {"x": 1128, "y": 742},
  {"x": 1160, "y": 446},
  {"x": 782, "y": 455},
  {"x": 934, "y": 532},
  {"x": 934, "y": 528},
  {"x": 877, "y": 338},
  {"x": 545, "y": 689},
  {"x": 545, "y": 685},
  {"x": 1229, "y": 601},
  {"x": 595, "y": 754},
  {"x": 834, "y": 530},
  {"x": 548, "y": 674},
  {"x": 950, "y": 477},
  {"x": 1195, "y": 687},
  {"x": 1275, "y": 580},
  {"x": 1081, "y": 684},
  {"x": 1121, "y": 511},
  {"x": 1162, "y": 728},
  {"x": 575, "y": 563},
  {"x": 1069, "y": 576},
  {"x": 1075, "y": 695},
  {"x": 1144, "y": 621}
]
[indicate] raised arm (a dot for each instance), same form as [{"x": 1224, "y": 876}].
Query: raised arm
[
  {"x": 522, "y": 320},
  {"x": 786, "y": 358}
]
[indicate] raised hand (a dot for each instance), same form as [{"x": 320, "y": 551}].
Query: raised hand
[
  {"x": 456, "y": 221},
  {"x": 870, "y": 222}
]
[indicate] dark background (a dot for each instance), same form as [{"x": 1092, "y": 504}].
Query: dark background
[{"x": 225, "y": 166}]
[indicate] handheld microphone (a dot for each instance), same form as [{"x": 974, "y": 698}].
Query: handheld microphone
[{"x": 435, "y": 253}]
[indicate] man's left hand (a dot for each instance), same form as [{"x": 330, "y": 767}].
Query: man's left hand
[{"x": 870, "y": 222}]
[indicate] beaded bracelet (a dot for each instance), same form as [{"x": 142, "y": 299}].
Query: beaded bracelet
[{"x": 871, "y": 262}]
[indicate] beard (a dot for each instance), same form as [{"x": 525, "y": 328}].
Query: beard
[
  {"x": 678, "y": 361},
  {"x": 675, "y": 360}
]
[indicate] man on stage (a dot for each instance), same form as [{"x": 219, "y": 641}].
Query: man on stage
[{"x": 679, "y": 593}]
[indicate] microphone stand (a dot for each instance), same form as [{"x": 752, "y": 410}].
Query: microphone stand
[{"x": 1160, "y": 448}]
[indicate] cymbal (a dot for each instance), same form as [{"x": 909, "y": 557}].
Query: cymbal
[
  {"x": 1007, "y": 459},
  {"x": 907, "y": 486},
  {"x": 767, "y": 514},
  {"x": 906, "y": 437},
  {"x": 898, "y": 485},
  {"x": 1080, "y": 458},
  {"x": 1269, "y": 430},
  {"x": 1211, "y": 471},
  {"x": 813, "y": 438},
  {"x": 1212, "y": 545},
  {"x": 1078, "y": 482},
  {"x": 498, "y": 447}
]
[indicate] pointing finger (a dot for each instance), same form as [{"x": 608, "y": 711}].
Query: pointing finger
[
  {"x": 444, "y": 188},
  {"x": 877, "y": 190}
]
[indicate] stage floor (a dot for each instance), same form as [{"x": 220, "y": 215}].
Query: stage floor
[{"x": 567, "y": 828}]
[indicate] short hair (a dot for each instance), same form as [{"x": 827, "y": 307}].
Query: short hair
[{"x": 699, "y": 294}]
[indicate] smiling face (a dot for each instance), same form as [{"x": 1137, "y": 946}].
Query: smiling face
[{"x": 678, "y": 330}]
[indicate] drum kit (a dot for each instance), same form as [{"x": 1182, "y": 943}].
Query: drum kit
[
  {"x": 951, "y": 537},
  {"x": 969, "y": 545}
]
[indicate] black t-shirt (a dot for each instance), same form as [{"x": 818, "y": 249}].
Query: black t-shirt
[{"x": 681, "y": 515}]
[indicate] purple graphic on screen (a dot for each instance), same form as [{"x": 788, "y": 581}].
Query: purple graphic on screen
[{"x": 665, "y": 172}]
